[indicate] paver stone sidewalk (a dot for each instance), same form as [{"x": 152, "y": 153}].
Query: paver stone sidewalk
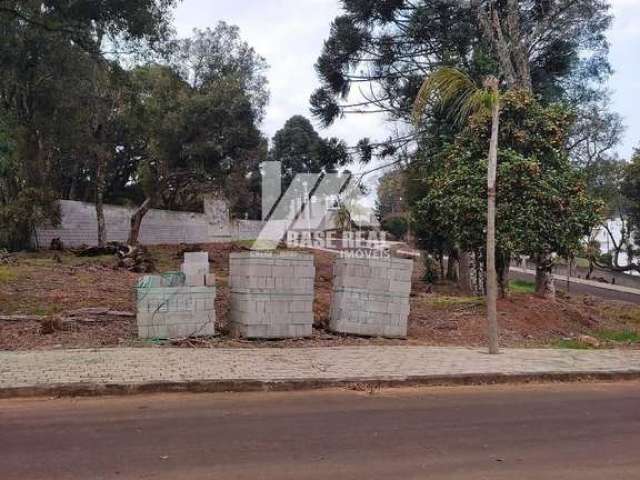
[{"x": 129, "y": 369}]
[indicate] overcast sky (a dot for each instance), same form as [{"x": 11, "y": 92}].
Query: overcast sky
[{"x": 290, "y": 33}]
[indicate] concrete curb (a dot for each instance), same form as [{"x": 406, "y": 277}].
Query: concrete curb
[{"x": 218, "y": 386}]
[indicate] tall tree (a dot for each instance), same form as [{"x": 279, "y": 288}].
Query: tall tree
[
  {"x": 464, "y": 98},
  {"x": 391, "y": 200},
  {"x": 557, "y": 49},
  {"x": 46, "y": 47},
  {"x": 386, "y": 47},
  {"x": 126, "y": 26},
  {"x": 220, "y": 53},
  {"x": 629, "y": 240},
  {"x": 542, "y": 201},
  {"x": 196, "y": 124},
  {"x": 300, "y": 149}
]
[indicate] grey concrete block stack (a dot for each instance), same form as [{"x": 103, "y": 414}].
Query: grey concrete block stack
[
  {"x": 271, "y": 294},
  {"x": 371, "y": 296},
  {"x": 178, "y": 304},
  {"x": 196, "y": 270}
]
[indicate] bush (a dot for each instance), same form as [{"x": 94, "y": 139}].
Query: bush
[
  {"x": 19, "y": 218},
  {"x": 396, "y": 226},
  {"x": 431, "y": 269}
]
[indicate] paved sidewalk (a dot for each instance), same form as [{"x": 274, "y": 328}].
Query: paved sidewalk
[{"x": 164, "y": 369}]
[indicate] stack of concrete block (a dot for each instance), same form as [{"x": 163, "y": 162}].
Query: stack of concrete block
[
  {"x": 196, "y": 270},
  {"x": 177, "y": 304},
  {"x": 371, "y": 296},
  {"x": 271, "y": 294}
]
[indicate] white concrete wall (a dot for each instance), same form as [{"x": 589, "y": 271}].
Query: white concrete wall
[{"x": 159, "y": 227}]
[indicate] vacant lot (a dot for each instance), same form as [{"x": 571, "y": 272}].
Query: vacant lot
[{"x": 55, "y": 283}]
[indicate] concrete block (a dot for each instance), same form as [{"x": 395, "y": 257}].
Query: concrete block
[
  {"x": 168, "y": 312},
  {"x": 195, "y": 272},
  {"x": 191, "y": 268},
  {"x": 396, "y": 286},
  {"x": 271, "y": 295},
  {"x": 196, "y": 257},
  {"x": 195, "y": 280},
  {"x": 371, "y": 296}
]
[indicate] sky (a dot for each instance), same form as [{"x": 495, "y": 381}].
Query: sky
[{"x": 290, "y": 34}]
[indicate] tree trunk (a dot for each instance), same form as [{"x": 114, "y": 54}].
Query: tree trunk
[
  {"x": 464, "y": 273},
  {"x": 492, "y": 287},
  {"x": 479, "y": 272},
  {"x": 570, "y": 260},
  {"x": 102, "y": 229},
  {"x": 136, "y": 222},
  {"x": 503, "y": 264},
  {"x": 452, "y": 263},
  {"x": 545, "y": 286}
]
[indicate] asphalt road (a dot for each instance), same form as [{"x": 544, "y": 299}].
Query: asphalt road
[
  {"x": 576, "y": 431},
  {"x": 579, "y": 289}
]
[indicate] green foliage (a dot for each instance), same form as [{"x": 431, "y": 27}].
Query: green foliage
[
  {"x": 193, "y": 125},
  {"x": 87, "y": 23},
  {"x": 61, "y": 101},
  {"x": 446, "y": 303},
  {"x": 625, "y": 336},
  {"x": 301, "y": 150},
  {"x": 431, "y": 269},
  {"x": 522, "y": 286},
  {"x": 18, "y": 218},
  {"x": 617, "y": 183},
  {"x": 220, "y": 53},
  {"x": 630, "y": 190},
  {"x": 573, "y": 344},
  {"x": 391, "y": 199},
  {"x": 165, "y": 130},
  {"x": 395, "y": 45},
  {"x": 6, "y": 274},
  {"x": 542, "y": 203},
  {"x": 456, "y": 91},
  {"x": 396, "y": 226}
]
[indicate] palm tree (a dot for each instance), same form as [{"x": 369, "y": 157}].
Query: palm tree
[
  {"x": 343, "y": 218},
  {"x": 462, "y": 97}
]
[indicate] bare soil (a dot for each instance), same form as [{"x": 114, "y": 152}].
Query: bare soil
[{"x": 51, "y": 283}]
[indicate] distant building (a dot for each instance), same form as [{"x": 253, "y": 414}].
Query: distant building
[{"x": 615, "y": 227}]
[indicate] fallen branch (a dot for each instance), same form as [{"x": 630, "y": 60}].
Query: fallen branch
[
  {"x": 77, "y": 316},
  {"x": 100, "y": 312},
  {"x": 22, "y": 318}
]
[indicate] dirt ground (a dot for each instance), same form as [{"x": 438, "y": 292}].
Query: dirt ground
[{"x": 53, "y": 283}]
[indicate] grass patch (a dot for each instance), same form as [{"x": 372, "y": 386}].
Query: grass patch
[
  {"x": 522, "y": 286},
  {"x": 75, "y": 260},
  {"x": 47, "y": 259},
  {"x": 577, "y": 262},
  {"x": 249, "y": 243},
  {"x": 6, "y": 275},
  {"x": 46, "y": 310},
  {"x": 624, "y": 336},
  {"x": 572, "y": 344},
  {"x": 444, "y": 303},
  {"x": 630, "y": 314},
  {"x": 164, "y": 260},
  {"x": 13, "y": 305},
  {"x": 622, "y": 314}
]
